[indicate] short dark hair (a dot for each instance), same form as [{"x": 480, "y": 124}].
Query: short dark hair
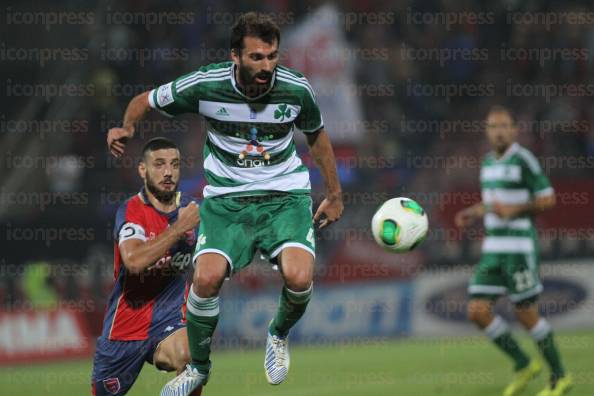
[
  {"x": 158, "y": 143},
  {"x": 254, "y": 25},
  {"x": 502, "y": 109}
]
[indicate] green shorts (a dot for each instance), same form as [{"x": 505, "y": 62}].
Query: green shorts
[
  {"x": 236, "y": 227},
  {"x": 513, "y": 274}
]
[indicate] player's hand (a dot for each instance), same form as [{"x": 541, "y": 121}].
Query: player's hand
[
  {"x": 188, "y": 217},
  {"x": 331, "y": 207},
  {"x": 117, "y": 139},
  {"x": 465, "y": 218},
  {"x": 505, "y": 211}
]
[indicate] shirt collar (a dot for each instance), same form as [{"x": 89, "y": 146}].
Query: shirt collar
[
  {"x": 236, "y": 88},
  {"x": 508, "y": 153}
]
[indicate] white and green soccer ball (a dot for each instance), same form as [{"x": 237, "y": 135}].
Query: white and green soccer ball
[{"x": 399, "y": 225}]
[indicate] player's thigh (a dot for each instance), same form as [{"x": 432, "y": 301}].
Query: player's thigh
[
  {"x": 226, "y": 228},
  {"x": 173, "y": 353},
  {"x": 287, "y": 225},
  {"x": 522, "y": 276}
]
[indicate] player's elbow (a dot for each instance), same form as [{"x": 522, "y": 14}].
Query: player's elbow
[
  {"x": 142, "y": 100},
  {"x": 546, "y": 203}
]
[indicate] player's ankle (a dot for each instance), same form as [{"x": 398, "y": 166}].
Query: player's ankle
[
  {"x": 202, "y": 367},
  {"x": 273, "y": 330}
]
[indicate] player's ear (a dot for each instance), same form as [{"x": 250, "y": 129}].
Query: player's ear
[
  {"x": 142, "y": 169},
  {"x": 235, "y": 56}
]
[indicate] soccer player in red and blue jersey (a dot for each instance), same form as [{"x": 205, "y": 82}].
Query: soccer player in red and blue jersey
[{"x": 155, "y": 236}]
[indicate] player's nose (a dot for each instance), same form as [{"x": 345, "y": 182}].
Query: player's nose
[{"x": 266, "y": 65}]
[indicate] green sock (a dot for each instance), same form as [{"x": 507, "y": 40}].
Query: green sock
[
  {"x": 202, "y": 316},
  {"x": 291, "y": 308},
  {"x": 543, "y": 335},
  {"x": 499, "y": 333}
]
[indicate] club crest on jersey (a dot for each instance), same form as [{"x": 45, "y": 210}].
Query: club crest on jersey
[
  {"x": 112, "y": 385},
  {"x": 254, "y": 149}
]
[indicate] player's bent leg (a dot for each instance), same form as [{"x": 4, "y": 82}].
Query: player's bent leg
[
  {"x": 202, "y": 317},
  {"x": 297, "y": 269},
  {"x": 173, "y": 353},
  {"x": 542, "y": 333},
  {"x": 480, "y": 311}
]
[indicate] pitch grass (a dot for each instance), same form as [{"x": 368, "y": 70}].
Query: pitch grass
[{"x": 468, "y": 366}]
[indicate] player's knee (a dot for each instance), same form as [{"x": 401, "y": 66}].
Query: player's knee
[
  {"x": 207, "y": 284},
  {"x": 477, "y": 312},
  {"x": 298, "y": 280}
]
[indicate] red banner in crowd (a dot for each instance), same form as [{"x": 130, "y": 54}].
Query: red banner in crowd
[{"x": 27, "y": 336}]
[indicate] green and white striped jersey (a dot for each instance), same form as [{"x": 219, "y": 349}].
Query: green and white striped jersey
[
  {"x": 515, "y": 178},
  {"x": 249, "y": 149}
]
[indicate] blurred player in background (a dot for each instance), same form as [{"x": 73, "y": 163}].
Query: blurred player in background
[
  {"x": 514, "y": 190},
  {"x": 258, "y": 192},
  {"x": 154, "y": 240}
]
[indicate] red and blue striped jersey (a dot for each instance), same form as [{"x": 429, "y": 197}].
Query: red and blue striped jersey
[{"x": 141, "y": 304}]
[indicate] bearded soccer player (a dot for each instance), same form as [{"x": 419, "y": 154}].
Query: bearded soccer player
[
  {"x": 258, "y": 192},
  {"x": 154, "y": 241},
  {"x": 514, "y": 190}
]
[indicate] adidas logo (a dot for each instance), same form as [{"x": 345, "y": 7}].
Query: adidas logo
[
  {"x": 222, "y": 112},
  {"x": 206, "y": 341}
]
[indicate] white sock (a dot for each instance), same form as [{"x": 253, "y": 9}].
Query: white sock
[{"x": 496, "y": 328}]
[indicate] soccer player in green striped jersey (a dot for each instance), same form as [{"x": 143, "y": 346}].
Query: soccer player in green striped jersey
[
  {"x": 258, "y": 191},
  {"x": 513, "y": 189}
]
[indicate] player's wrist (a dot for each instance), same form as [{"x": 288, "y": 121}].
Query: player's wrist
[
  {"x": 177, "y": 229},
  {"x": 334, "y": 195},
  {"x": 130, "y": 129}
]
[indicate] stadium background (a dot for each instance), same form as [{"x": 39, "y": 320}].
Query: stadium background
[{"x": 403, "y": 89}]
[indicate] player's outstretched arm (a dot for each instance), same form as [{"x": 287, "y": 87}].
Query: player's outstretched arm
[
  {"x": 118, "y": 137},
  {"x": 467, "y": 216},
  {"x": 323, "y": 155},
  {"x": 536, "y": 206},
  {"x": 138, "y": 255}
]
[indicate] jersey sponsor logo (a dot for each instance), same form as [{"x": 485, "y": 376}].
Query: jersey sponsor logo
[
  {"x": 165, "y": 95},
  {"x": 180, "y": 261},
  {"x": 222, "y": 112},
  {"x": 252, "y": 162},
  {"x": 112, "y": 385},
  {"x": 253, "y": 149}
]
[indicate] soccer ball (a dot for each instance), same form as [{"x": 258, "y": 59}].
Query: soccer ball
[{"x": 399, "y": 225}]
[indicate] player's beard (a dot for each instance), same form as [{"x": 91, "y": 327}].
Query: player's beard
[
  {"x": 248, "y": 80},
  {"x": 163, "y": 196}
]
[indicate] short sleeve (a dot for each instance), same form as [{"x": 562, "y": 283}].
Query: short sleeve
[
  {"x": 537, "y": 182},
  {"x": 176, "y": 97},
  {"x": 310, "y": 118},
  {"x": 127, "y": 213}
]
